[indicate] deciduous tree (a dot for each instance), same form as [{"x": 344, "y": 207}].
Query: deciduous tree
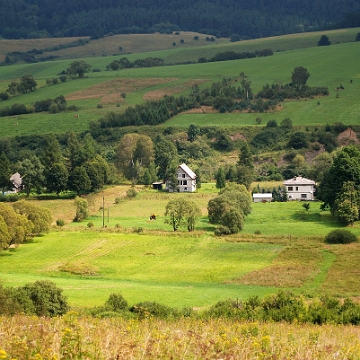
[
  {"x": 299, "y": 77},
  {"x": 181, "y": 212},
  {"x": 78, "y": 68},
  {"x": 32, "y": 174}
]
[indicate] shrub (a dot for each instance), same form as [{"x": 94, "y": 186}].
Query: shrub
[
  {"x": 340, "y": 236},
  {"x": 60, "y": 222},
  {"x": 149, "y": 308},
  {"x": 257, "y": 232},
  {"x": 43, "y": 298},
  {"x": 131, "y": 193},
  {"x": 90, "y": 224},
  {"x": 222, "y": 230},
  {"x": 73, "y": 108},
  {"x": 116, "y": 302}
]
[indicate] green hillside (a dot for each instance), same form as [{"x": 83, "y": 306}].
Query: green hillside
[{"x": 329, "y": 66}]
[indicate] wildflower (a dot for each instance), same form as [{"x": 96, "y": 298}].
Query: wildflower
[{"x": 3, "y": 354}]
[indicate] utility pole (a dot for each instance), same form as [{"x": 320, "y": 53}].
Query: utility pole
[{"x": 103, "y": 211}]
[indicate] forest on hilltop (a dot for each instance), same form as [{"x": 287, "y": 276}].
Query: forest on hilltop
[{"x": 246, "y": 19}]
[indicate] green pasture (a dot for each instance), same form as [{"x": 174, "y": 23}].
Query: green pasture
[
  {"x": 279, "y": 219},
  {"x": 328, "y": 66},
  {"x": 177, "y": 271},
  {"x": 181, "y": 268}
]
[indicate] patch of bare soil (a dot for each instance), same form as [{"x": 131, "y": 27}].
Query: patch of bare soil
[
  {"x": 237, "y": 136},
  {"x": 158, "y": 94},
  {"x": 347, "y": 137},
  {"x": 110, "y": 91}
]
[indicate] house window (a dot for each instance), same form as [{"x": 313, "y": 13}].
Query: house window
[
  {"x": 183, "y": 175},
  {"x": 304, "y": 196},
  {"x": 185, "y": 189},
  {"x": 297, "y": 189},
  {"x": 290, "y": 188},
  {"x": 184, "y": 182}
]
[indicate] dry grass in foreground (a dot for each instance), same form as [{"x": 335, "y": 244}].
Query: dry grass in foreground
[{"x": 33, "y": 338}]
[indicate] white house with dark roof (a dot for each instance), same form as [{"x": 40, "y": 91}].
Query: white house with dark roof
[
  {"x": 186, "y": 179},
  {"x": 299, "y": 188}
]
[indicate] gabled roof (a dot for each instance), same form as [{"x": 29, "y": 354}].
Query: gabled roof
[
  {"x": 187, "y": 170},
  {"x": 299, "y": 180}
]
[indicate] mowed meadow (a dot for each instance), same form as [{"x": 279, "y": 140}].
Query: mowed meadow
[
  {"x": 329, "y": 66},
  {"x": 146, "y": 261}
]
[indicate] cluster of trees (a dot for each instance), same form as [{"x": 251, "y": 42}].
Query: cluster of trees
[
  {"x": 35, "y": 19},
  {"x": 296, "y": 89},
  {"x": 233, "y": 55},
  {"x": 41, "y": 298},
  {"x": 27, "y": 83},
  {"x": 125, "y": 63},
  {"x": 340, "y": 186},
  {"x": 229, "y": 208},
  {"x": 20, "y": 221},
  {"x": 80, "y": 168},
  {"x": 51, "y": 105}
]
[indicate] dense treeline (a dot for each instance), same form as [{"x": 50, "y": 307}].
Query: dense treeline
[{"x": 40, "y": 18}]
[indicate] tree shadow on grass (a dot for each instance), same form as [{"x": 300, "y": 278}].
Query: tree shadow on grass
[
  {"x": 5, "y": 253},
  {"x": 323, "y": 218}
]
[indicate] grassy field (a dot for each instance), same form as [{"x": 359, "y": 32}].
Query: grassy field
[
  {"x": 183, "y": 269},
  {"x": 328, "y": 66}
]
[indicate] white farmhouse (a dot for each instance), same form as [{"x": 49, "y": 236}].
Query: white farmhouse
[
  {"x": 186, "y": 179},
  {"x": 299, "y": 188}
]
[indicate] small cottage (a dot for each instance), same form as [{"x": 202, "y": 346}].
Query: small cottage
[
  {"x": 186, "y": 179},
  {"x": 299, "y": 188},
  {"x": 259, "y": 197}
]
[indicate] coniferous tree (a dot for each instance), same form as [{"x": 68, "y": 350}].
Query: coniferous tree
[{"x": 5, "y": 172}]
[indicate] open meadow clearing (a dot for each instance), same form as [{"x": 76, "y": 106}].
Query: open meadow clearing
[{"x": 145, "y": 260}]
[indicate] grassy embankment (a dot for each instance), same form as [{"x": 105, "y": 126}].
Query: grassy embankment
[{"x": 328, "y": 66}]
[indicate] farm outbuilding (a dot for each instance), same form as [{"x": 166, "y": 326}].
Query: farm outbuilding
[
  {"x": 157, "y": 185},
  {"x": 259, "y": 197}
]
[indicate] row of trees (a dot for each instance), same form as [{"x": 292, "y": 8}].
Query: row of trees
[
  {"x": 125, "y": 63},
  {"x": 340, "y": 186},
  {"x": 233, "y": 55}
]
